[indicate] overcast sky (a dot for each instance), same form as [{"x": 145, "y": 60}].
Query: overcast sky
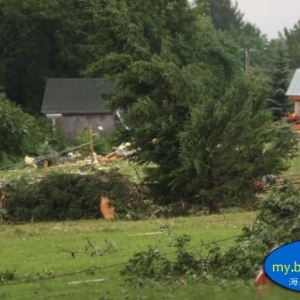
[{"x": 270, "y": 16}]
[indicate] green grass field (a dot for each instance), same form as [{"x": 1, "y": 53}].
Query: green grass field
[
  {"x": 56, "y": 260},
  {"x": 51, "y": 260}
]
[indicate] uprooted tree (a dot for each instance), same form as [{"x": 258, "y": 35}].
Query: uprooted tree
[{"x": 212, "y": 135}]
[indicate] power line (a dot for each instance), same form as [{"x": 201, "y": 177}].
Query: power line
[
  {"x": 107, "y": 266},
  {"x": 39, "y": 158}
]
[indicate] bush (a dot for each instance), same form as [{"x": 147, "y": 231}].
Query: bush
[
  {"x": 14, "y": 127},
  {"x": 59, "y": 197},
  {"x": 41, "y": 133},
  {"x": 22, "y": 134}
]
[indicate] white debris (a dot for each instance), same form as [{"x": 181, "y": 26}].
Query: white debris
[
  {"x": 30, "y": 161},
  {"x": 124, "y": 150}
]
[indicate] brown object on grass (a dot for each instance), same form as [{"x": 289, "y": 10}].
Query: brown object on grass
[{"x": 107, "y": 210}]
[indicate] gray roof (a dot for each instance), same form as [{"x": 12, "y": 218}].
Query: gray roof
[
  {"x": 294, "y": 87},
  {"x": 76, "y": 95}
]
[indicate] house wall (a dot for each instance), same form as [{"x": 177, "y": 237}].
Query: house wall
[
  {"x": 297, "y": 107},
  {"x": 70, "y": 125}
]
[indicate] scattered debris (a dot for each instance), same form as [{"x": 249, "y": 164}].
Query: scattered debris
[
  {"x": 96, "y": 251},
  {"x": 30, "y": 161},
  {"x": 122, "y": 151},
  {"x": 294, "y": 118},
  {"x": 269, "y": 181},
  {"x": 179, "y": 280},
  {"x": 74, "y": 156}
]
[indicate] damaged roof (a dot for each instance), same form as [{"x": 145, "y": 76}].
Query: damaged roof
[{"x": 76, "y": 96}]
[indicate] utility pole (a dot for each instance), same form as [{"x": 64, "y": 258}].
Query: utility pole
[{"x": 90, "y": 129}]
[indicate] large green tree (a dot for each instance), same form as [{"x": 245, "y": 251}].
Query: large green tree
[
  {"x": 228, "y": 142},
  {"x": 227, "y": 17},
  {"x": 292, "y": 39},
  {"x": 39, "y": 39},
  {"x": 190, "y": 111}
]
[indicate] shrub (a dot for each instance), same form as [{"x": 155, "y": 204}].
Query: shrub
[
  {"x": 67, "y": 196},
  {"x": 22, "y": 134},
  {"x": 41, "y": 132},
  {"x": 14, "y": 127}
]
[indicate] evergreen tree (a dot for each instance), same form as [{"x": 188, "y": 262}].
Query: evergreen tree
[
  {"x": 203, "y": 131},
  {"x": 292, "y": 40},
  {"x": 227, "y": 17},
  {"x": 39, "y": 39},
  {"x": 224, "y": 145},
  {"x": 278, "y": 101}
]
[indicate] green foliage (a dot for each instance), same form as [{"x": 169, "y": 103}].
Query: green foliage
[
  {"x": 222, "y": 146},
  {"x": 154, "y": 265},
  {"x": 102, "y": 144},
  {"x": 226, "y": 16},
  {"x": 208, "y": 121},
  {"x": 67, "y": 196},
  {"x": 149, "y": 264},
  {"x": 41, "y": 132},
  {"x": 8, "y": 275},
  {"x": 291, "y": 38},
  {"x": 279, "y": 82},
  {"x": 7, "y": 160},
  {"x": 39, "y": 40},
  {"x": 46, "y": 153},
  {"x": 14, "y": 127},
  {"x": 22, "y": 134},
  {"x": 277, "y": 223}
]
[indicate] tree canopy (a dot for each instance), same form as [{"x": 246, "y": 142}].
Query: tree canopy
[{"x": 194, "y": 116}]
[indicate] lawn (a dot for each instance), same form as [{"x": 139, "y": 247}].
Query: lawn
[
  {"x": 294, "y": 167},
  {"x": 56, "y": 260},
  {"x": 83, "y": 259}
]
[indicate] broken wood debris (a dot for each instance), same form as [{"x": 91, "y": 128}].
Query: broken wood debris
[{"x": 119, "y": 152}]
